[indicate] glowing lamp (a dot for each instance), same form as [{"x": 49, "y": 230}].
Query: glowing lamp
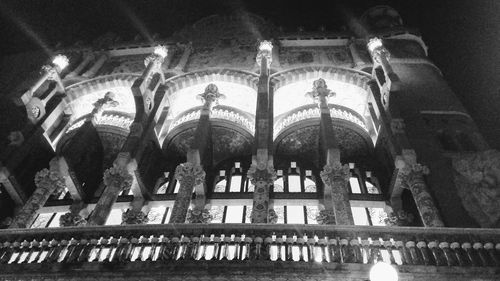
[
  {"x": 382, "y": 271},
  {"x": 265, "y": 46},
  {"x": 61, "y": 61},
  {"x": 161, "y": 51},
  {"x": 374, "y": 43}
]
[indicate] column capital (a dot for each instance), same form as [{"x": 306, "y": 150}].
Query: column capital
[
  {"x": 265, "y": 51},
  {"x": 50, "y": 179},
  {"x": 320, "y": 91},
  {"x": 187, "y": 172},
  {"x": 335, "y": 172},
  {"x": 377, "y": 50},
  {"x": 118, "y": 177},
  {"x": 261, "y": 172},
  {"x": 211, "y": 95}
]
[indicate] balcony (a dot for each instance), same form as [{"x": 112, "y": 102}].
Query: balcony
[{"x": 417, "y": 253}]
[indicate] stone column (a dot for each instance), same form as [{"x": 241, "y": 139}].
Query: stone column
[
  {"x": 411, "y": 176},
  {"x": 97, "y": 65},
  {"x": 381, "y": 56},
  {"x": 86, "y": 60},
  {"x": 262, "y": 175},
  {"x": 335, "y": 178},
  {"x": 116, "y": 179},
  {"x": 47, "y": 182},
  {"x": 189, "y": 176}
]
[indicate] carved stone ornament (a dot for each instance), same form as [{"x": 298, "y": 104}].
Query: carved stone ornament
[
  {"x": 107, "y": 101},
  {"x": 272, "y": 216},
  {"x": 320, "y": 89},
  {"x": 335, "y": 172},
  {"x": 399, "y": 218},
  {"x": 48, "y": 179},
  {"x": 411, "y": 174},
  {"x": 51, "y": 71},
  {"x": 71, "y": 219},
  {"x": 118, "y": 177},
  {"x": 156, "y": 59},
  {"x": 187, "y": 172},
  {"x": 261, "y": 172},
  {"x": 377, "y": 50},
  {"x": 326, "y": 217},
  {"x": 199, "y": 216},
  {"x": 477, "y": 179},
  {"x": 265, "y": 51},
  {"x": 134, "y": 217},
  {"x": 211, "y": 95}
]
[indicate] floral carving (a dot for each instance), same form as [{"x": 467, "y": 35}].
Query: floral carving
[
  {"x": 49, "y": 179},
  {"x": 272, "y": 216},
  {"x": 326, "y": 217},
  {"x": 261, "y": 172},
  {"x": 199, "y": 216},
  {"x": 71, "y": 219},
  {"x": 477, "y": 179},
  {"x": 134, "y": 217},
  {"x": 335, "y": 172},
  {"x": 399, "y": 218},
  {"x": 117, "y": 177},
  {"x": 190, "y": 174}
]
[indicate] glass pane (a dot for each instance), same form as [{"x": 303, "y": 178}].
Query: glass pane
[
  {"x": 371, "y": 188},
  {"x": 312, "y": 212},
  {"x": 378, "y": 215},
  {"x": 354, "y": 184},
  {"x": 234, "y": 214},
  {"x": 42, "y": 220},
  {"x": 155, "y": 215},
  {"x": 220, "y": 186},
  {"x": 167, "y": 217},
  {"x": 310, "y": 185},
  {"x": 294, "y": 183},
  {"x": 251, "y": 187},
  {"x": 217, "y": 212},
  {"x": 115, "y": 217},
  {"x": 162, "y": 189},
  {"x": 280, "y": 211},
  {"x": 278, "y": 185},
  {"x": 55, "y": 220},
  {"x": 295, "y": 214},
  {"x": 360, "y": 216},
  {"x": 235, "y": 184},
  {"x": 177, "y": 186}
]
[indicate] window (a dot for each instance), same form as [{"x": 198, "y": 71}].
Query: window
[
  {"x": 47, "y": 220},
  {"x": 159, "y": 215},
  {"x": 115, "y": 217},
  {"x": 231, "y": 214},
  {"x": 296, "y": 214},
  {"x": 368, "y": 216}
]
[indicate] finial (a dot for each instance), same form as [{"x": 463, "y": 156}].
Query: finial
[
  {"x": 320, "y": 89},
  {"x": 211, "y": 94},
  {"x": 61, "y": 62}
]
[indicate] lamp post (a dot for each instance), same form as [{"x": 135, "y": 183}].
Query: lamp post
[{"x": 382, "y": 271}]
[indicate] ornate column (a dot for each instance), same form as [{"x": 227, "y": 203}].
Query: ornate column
[
  {"x": 189, "y": 176},
  {"x": 47, "y": 182},
  {"x": 96, "y": 66},
  {"x": 335, "y": 177},
  {"x": 262, "y": 175},
  {"x": 411, "y": 176},
  {"x": 116, "y": 179}
]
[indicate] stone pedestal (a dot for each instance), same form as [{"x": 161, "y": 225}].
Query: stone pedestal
[
  {"x": 336, "y": 195},
  {"x": 189, "y": 176}
]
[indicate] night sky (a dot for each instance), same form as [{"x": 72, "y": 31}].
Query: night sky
[{"x": 463, "y": 35}]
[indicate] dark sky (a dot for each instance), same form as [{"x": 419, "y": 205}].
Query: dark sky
[{"x": 463, "y": 35}]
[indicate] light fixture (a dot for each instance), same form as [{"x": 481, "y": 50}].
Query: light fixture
[
  {"x": 265, "y": 46},
  {"x": 161, "y": 51},
  {"x": 382, "y": 271},
  {"x": 374, "y": 43},
  {"x": 61, "y": 61}
]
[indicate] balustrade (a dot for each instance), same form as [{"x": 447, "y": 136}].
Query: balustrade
[{"x": 237, "y": 242}]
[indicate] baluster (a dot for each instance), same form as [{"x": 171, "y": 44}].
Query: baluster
[
  {"x": 205, "y": 242},
  {"x": 437, "y": 253},
  {"x": 310, "y": 249},
  {"x": 154, "y": 249},
  {"x": 166, "y": 249},
  {"x": 334, "y": 251},
  {"x": 258, "y": 248},
  {"x": 125, "y": 250},
  {"x": 493, "y": 253},
  {"x": 217, "y": 246},
  {"x": 365, "y": 244},
  {"x": 17, "y": 250},
  {"x": 143, "y": 243},
  {"x": 113, "y": 249},
  {"x": 322, "y": 248},
  {"x": 34, "y": 250},
  {"x": 175, "y": 243},
  {"x": 225, "y": 248},
  {"x": 279, "y": 244},
  {"x": 6, "y": 252},
  {"x": 300, "y": 243},
  {"x": 375, "y": 254},
  {"x": 288, "y": 249},
  {"x": 25, "y": 248},
  {"x": 249, "y": 248},
  {"x": 389, "y": 248},
  {"x": 402, "y": 251},
  {"x": 356, "y": 250},
  {"x": 483, "y": 256},
  {"x": 412, "y": 252},
  {"x": 195, "y": 247},
  {"x": 460, "y": 254},
  {"x": 427, "y": 257},
  {"x": 85, "y": 251},
  {"x": 106, "y": 245},
  {"x": 451, "y": 259},
  {"x": 239, "y": 248},
  {"x": 474, "y": 260},
  {"x": 54, "y": 251},
  {"x": 70, "y": 251},
  {"x": 185, "y": 248}
]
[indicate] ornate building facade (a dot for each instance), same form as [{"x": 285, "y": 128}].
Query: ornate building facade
[{"x": 217, "y": 155}]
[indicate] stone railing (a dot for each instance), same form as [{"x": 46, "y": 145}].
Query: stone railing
[
  {"x": 314, "y": 112},
  {"x": 242, "y": 242},
  {"x": 119, "y": 121},
  {"x": 218, "y": 112}
]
